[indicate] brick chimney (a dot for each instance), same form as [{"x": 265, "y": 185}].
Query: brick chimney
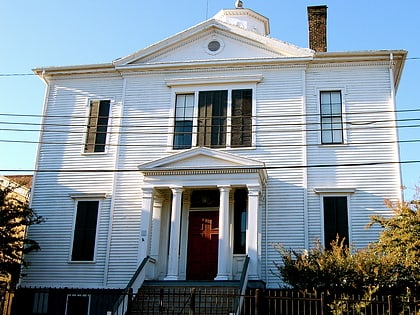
[{"x": 317, "y": 22}]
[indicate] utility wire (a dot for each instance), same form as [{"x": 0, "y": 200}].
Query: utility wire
[{"x": 97, "y": 170}]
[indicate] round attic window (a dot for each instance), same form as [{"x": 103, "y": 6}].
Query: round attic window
[{"x": 213, "y": 45}]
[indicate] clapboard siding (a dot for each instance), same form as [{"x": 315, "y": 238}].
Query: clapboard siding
[{"x": 287, "y": 140}]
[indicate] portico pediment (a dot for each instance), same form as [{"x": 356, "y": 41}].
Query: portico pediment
[
  {"x": 201, "y": 158},
  {"x": 203, "y": 162}
]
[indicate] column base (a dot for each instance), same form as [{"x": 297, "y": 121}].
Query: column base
[
  {"x": 221, "y": 278},
  {"x": 171, "y": 278}
]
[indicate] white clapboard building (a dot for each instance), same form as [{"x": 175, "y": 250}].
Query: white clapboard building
[{"x": 207, "y": 147}]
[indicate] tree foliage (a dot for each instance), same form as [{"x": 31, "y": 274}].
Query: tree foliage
[
  {"x": 391, "y": 265},
  {"x": 15, "y": 217}
]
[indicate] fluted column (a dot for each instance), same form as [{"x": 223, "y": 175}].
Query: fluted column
[
  {"x": 173, "y": 259},
  {"x": 252, "y": 233},
  {"x": 223, "y": 270}
]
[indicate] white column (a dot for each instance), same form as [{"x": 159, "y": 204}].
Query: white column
[
  {"x": 146, "y": 222},
  {"x": 224, "y": 239},
  {"x": 173, "y": 259},
  {"x": 252, "y": 232}
]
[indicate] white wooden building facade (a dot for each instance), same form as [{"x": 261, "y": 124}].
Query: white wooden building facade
[{"x": 213, "y": 144}]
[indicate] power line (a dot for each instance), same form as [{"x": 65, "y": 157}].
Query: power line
[{"x": 215, "y": 169}]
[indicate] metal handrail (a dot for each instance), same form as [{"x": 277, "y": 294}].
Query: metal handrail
[
  {"x": 123, "y": 300},
  {"x": 243, "y": 283}
]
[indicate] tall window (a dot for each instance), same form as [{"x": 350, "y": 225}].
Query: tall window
[
  {"x": 331, "y": 117},
  {"x": 335, "y": 220},
  {"x": 241, "y": 118},
  {"x": 212, "y": 115},
  {"x": 85, "y": 231},
  {"x": 212, "y": 123},
  {"x": 97, "y": 126},
  {"x": 184, "y": 114},
  {"x": 240, "y": 221}
]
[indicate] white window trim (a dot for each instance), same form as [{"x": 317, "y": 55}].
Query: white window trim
[
  {"x": 108, "y": 132},
  {"x": 336, "y": 192},
  {"x": 85, "y": 198},
  {"x": 190, "y": 86},
  {"x": 343, "y": 90}
]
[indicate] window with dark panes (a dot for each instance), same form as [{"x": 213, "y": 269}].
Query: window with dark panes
[
  {"x": 240, "y": 221},
  {"x": 77, "y": 305},
  {"x": 241, "y": 132},
  {"x": 85, "y": 231},
  {"x": 331, "y": 117},
  {"x": 184, "y": 115},
  {"x": 335, "y": 220},
  {"x": 212, "y": 118},
  {"x": 97, "y": 126}
]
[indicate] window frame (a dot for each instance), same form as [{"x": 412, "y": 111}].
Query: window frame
[
  {"x": 343, "y": 93},
  {"x": 179, "y": 90},
  {"x": 77, "y": 201},
  {"x": 85, "y": 151}
]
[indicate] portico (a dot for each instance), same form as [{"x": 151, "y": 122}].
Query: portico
[{"x": 201, "y": 214}]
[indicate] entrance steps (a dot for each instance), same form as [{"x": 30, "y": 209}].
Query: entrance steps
[{"x": 186, "y": 297}]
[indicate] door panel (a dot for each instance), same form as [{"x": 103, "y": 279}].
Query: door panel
[{"x": 203, "y": 244}]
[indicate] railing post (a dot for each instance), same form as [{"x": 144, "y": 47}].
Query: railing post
[
  {"x": 161, "y": 296},
  {"x": 259, "y": 302},
  {"x": 390, "y": 305},
  {"x": 129, "y": 300},
  {"x": 192, "y": 302},
  {"x": 322, "y": 303}
]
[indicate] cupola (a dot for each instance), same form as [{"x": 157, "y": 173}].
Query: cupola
[{"x": 245, "y": 19}]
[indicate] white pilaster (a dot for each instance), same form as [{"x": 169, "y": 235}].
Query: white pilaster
[
  {"x": 252, "y": 233},
  {"x": 146, "y": 222},
  {"x": 173, "y": 259},
  {"x": 223, "y": 268}
]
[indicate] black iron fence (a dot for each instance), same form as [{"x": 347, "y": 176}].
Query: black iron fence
[{"x": 196, "y": 301}]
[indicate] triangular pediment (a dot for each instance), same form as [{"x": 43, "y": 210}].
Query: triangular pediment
[
  {"x": 194, "y": 44},
  {"x": 201, "y": 158}
]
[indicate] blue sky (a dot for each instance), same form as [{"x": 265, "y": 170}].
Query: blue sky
[{"x": 57, "y": 33}]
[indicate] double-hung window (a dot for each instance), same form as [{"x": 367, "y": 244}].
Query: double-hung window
[
  {"x": 223, "y": 119},
  {"x": 331, "y": 117},
  {"x": 97, "y": 126},
  {"x": 84, "y": 236}
]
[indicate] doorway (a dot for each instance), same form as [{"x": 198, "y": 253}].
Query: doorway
[{"x": 203, "y": 244}]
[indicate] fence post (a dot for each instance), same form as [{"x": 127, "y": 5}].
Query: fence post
[
  {"x": 322, "y": 303},
  {"x": 192, "y": 302},
  {"x": 390, "y": 305},
  {"x": 129, "y": 300},
  {"x": 259, "y": 302}
]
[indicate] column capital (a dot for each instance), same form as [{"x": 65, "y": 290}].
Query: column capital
[
  {"x": 225, "y": 188},
  {"x": 147, "y": 191},
  {"x": 177, "y": 189},
  {"x": 253, "y": 189}
]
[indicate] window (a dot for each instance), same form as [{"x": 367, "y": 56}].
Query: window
[
  {"x": 240, "y": 221},
  {"x": 40, "y": 305},
  {"x": 335, "y": 220},
  {"x": 331, "y": 117},
  {"x": 212, "y": 127},
  {"x": 77, "y": 305},
  {"x": 97, "y": 126},
  {"x": 184, "y": 114},
  {"x": 85, "y": 231}
]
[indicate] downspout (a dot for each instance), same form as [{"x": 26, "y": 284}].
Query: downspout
[
  {"x": 305, "y": 162},
  {"x": 392, "y": 87}
]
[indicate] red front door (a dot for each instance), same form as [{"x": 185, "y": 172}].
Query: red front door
[{"x": 203, "y": 243}]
